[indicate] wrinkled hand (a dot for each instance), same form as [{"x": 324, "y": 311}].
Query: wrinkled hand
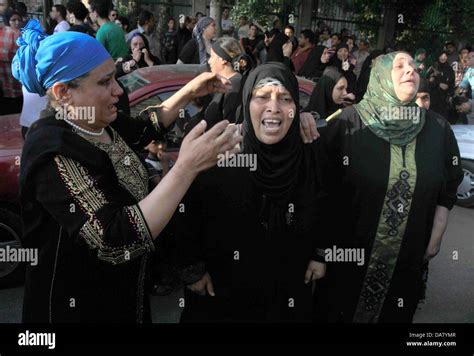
[
  {"x": 203, "y": 285},
  {"x": 316, "y": 270},
  {"x": 208, "y": 83},
  {"x": 308, "y": 129},
  {"x": 200, "y": 150}
]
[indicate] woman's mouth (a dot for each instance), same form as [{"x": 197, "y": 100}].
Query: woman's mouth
[{"x": 271, "y": 125}]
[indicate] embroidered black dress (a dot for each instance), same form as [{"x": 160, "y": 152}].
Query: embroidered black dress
[
  {"x": 383, "y": 200},
  {"x": 79, "y": 209}
]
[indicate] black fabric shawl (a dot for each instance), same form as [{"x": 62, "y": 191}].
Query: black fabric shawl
[
  {"x": 321, "y": 97},
  {"x": 313, "y": 68}
]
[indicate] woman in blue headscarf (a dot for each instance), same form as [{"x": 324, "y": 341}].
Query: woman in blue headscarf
[{"x": 84, "y": 192}]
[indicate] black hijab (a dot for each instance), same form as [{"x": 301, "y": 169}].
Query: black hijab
[
  {"x": 275, "y": 51},
  {"x": 335, "y": 61},
  {"x": 313, "y": 68},
  {"x": 285, "y": 164},
  {"x": 321, "y": 97}
]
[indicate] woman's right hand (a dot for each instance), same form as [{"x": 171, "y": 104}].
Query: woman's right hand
[
  {"x": 203, "y": 285},
  {"x": 137, "y": 54},
  {"x": 200, "y": 150}
]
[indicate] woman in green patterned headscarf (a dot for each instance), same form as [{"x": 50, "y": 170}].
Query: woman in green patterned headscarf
[
  {"x": 389, "y": 107},
  {"x": 421, "y": 63},
  {"x": 391, "y": 180}
]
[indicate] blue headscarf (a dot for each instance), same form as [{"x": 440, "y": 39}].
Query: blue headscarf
[{"x": 43, "y": 60}]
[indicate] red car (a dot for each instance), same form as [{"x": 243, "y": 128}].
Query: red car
[{"x": 145, "y": 87}]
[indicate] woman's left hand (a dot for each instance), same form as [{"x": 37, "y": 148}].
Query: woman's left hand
[
  {"x": 208, "y": 83},
  {"x": 443, "y": 86},
  {"x": 431, "y": 251},
  {"x": 316, "y": 270}
]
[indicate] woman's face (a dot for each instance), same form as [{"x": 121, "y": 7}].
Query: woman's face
[
  {"x": 98, "y": 91},
  {"x": 137, "y": 43},
  {"x": 339, "y": 91},
  {"x": 350, "y": 43},
  {"x": 210, "y": 32},
  {"x": 342, "y": 54},
  {"x": 15, "y": 22},
  {"x": 216, "y": 63},
  {"x": 272, "y": 111},
  {"x": 421, "y": 57},
  {"x": 443, "y": 58},
  {"x": 404, "y": 77}
]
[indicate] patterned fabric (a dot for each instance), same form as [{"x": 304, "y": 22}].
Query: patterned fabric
[
  {"x": 377, "y": 107},
  {"x": 389, "y": 235},
  {"x": 10, "y": 86},
  {"x": 91, "y": 199},
  {"x": 131, "y": 173}
]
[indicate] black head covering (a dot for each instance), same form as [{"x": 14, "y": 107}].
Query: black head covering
[
  {"x": 321, "y": 97},
  {"x": 438, "y": 64},
  {"x": 335, "y": 61},
  {"x": 277, "y": 164},
  {"x": 275, "y": 51},
  {"x": 287, "y": 170}
]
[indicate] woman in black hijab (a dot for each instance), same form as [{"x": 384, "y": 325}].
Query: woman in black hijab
[
  {"x": 340, "y": 60},
  {"x": 329, "y": 93},
  {"x": 441, "y": 77},
  {"x": 246, "y": 239},
  {"x": 314, "y": 67}
]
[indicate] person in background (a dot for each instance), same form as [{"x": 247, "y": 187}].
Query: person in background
[
  {"x": 249, "y": 43},
  {"x": 198, "y": 49},
  {"x": 360, "y": 55},
  {"x": 77, "y": 13},
  {"x": 58, "y": 14},
  {"x": 23, "y": 10},
  {"x": 113, "y": 15},
  {"x": 278, "y": 25},
  {"x": 460, "y": 67},
  {"x": 110, "y": 35},
  {"x": 344, "y": 33},
  {"x": 290, "y": 32},
  {"x": 139, "y": 56},
  {"x": 14, "y": 19},
  {"x": 421, "y": 62},
  {"x": 423, "y": 99},
  {"x": 146, "y": 26},
  {"x": 244, "y": 28},
  {"x": 198, "y": 15},
  {"x": 467, "y": 81},
  {"x": 305, "y": 46},
  {"x": 226, "y": 24},
  {"x": 169, "y": 43},
  {"x": 11, "y": 100},
  {"x": 324, "y": 38},
  {"x": 318, "y": 60},
  {"x": 335, "y": 40},
  {"x": 451, "y": 52},
  {"x": 341, "y": 61},
  {"x": 124, "y": 24},
  {"x": 185, "y": 32},
  {"x": 441, "y": 78}
]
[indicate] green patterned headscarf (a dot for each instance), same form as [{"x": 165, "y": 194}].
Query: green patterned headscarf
[{"x": 383, "y": 113}]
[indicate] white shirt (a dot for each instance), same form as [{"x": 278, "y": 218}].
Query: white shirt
[
  {"x": 32, "y": 106},
  {"x": 61, "y": 27},
  {"x": 243, "y": 31},
  {"x": 226, "y": 25}
]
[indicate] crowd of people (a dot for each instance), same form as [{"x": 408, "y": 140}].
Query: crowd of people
[{"x": 247, "y": 244}]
